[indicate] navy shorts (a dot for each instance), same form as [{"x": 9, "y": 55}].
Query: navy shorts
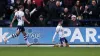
[
  {"x": 21, "y": 28},
  {"x": 63, "y": 40}
]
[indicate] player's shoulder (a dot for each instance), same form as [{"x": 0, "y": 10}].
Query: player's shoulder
[
  {"x": 21, "y": 12},
  {"x": 16, "y": 12},
  {"x": 59, "y": 26}
]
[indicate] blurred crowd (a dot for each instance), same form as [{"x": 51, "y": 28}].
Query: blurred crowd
[{"x": 47, "y": 13}]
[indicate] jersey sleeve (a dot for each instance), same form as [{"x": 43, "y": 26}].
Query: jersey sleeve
[
  {"x": 22, "y": 14},
  {"x": 57, "y": 29},
  {"x": 16, "y": 14}
]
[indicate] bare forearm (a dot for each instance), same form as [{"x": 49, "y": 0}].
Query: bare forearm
[
  {"x": 26, "y": 20},
  {"x": 13, "y": 20},
  {"x": 54, "y": 36}
]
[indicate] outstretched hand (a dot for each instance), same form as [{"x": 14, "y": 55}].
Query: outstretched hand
[
  {"x": 28, "y": 22},
  {"x": 53, "y": 41},
  {"x": 10, "y": 25}
]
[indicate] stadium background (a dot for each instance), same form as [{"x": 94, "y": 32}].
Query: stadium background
[
  {"x": 43, "y": 35},
  {"x": 52, "y": 12},
  {"x": 42, "y": 32}
]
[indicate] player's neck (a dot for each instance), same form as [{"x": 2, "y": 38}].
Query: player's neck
[
  {"x": 59, "y": 24},
  {"x": 20, "y": 10}
]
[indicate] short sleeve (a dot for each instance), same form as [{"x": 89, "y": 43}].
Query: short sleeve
[
  {"x": 16, "y": 14},
  {"x": 57, "y": 29},
  {"x": 22, "y": 14}
]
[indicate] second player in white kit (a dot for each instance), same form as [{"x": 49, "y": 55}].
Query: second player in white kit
[{"x": 19, "y": 15}]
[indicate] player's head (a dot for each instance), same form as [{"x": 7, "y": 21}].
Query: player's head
[{"x": 21, "y": 7}]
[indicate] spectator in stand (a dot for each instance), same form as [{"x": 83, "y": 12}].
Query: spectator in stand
[
  {"x": 34, "y": 5},
  {"x": 77, "y": 10},
  {"x": 41, "y": 21},
  {"x": 73, "y": 21},
  {"x": 31, "y": 5},
  {"x": 94, "y": 10},
  {"x": 52, "y": 11},
  {"x": 90, "y": 1},
  {"x": 28, "y": 5},
  {"x": 55, "y": 13},
  {"x": 27, "y": 16},
  {"x": 41, "y": 10},
  {"x": 50, "y": 5},
  {"x": 86, "y": 12},
  {"x": 94, "y": 13},
  {"x": 65, "y": 15}
]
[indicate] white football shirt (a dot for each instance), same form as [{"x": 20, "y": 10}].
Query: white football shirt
[
  {"x": 60, "y": 31},
  {"x": 19, "y": 15}
]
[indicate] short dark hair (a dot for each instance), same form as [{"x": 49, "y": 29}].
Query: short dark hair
[{"x": 20, "y": 6}]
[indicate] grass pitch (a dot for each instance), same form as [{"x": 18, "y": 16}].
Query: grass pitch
[{"x": 48, "y": 51}]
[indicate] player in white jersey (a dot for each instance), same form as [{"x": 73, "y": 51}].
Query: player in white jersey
[
  {"x": 60, "y": 32},
  {"x": 19, "y": 15}
]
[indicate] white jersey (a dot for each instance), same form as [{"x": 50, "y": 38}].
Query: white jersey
[
  {"x": 19, "y": 15},
  {"x": 60, "y": 31}
]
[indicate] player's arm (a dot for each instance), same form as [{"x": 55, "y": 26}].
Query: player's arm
[
  {"x": 23, "y": 17},
  {"x": 55, "y": 35},
  {"x": 33, "y": 11},
  {"x": 13, "y": 21}
]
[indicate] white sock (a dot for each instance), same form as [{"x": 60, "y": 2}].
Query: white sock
[
  {"x": 27, "y": 41},
  {"x": 9, "y": 37}
]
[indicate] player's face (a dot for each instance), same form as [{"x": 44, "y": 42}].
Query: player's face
[{"x": 22, "y": 8}]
